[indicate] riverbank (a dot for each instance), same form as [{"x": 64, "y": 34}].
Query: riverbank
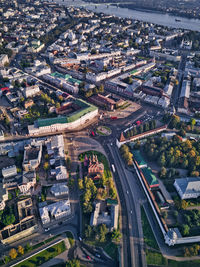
[{"x": 149, "y": 17}]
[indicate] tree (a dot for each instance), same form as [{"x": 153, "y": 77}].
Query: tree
[
  {"x": 116, "y": 235},
  {"x": 13, "y": 253},
  {"x": 162, "y": 160},
  {"x": 46, "y": 166},
  {"x": 194, "y": 174},
  {"x": 184, "y": 204},
  {"x": 71, "y": 183},
  {"x": 175, "y": 120},
  {"x": 101, "y": 88},
  {"x": 68, "y": 163},
  {"x": 163, "y": 172},
  {"x": 146, "y": 127},
  {"x": 102, "y": 232},
  {"x": 8, "y": 219},
  {"x": 73, "y": 263},
  {"x": 21, "y": 250},
  {"x": 185, "y": 229},
  {"x": 192, "y": 123},
  {"x": 141, "y": 128},
  {"x": 88, "y": 231},
  {"x": 80, "y": 184},
  {"x": 28, "y": 247}
]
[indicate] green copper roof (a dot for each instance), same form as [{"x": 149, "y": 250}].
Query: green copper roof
[
  {"x": 138, "y": 157},
  {"x": 85, "y": 108},
  {"x": 67, "y": 77},
  {"x": 150, "y": 177}
]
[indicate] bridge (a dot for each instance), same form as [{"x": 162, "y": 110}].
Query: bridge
[{"x": 85, "y": 4}]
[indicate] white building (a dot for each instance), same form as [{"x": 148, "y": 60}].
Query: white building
[
  {"x": 30, "y": 91},
  {"x": 59, "y": 189},
  {"x": 3, "y": 59},
  {"x": 188, "y": 187},
  {"x": 44, "y": 215},
  {"x": 56, "y": 210},
  {"x": 9, "y": 171}
]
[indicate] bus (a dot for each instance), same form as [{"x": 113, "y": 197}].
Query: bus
[{"x": 113, "y": 167}]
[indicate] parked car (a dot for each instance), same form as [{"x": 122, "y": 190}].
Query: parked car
[{"x": 88, "y": 257}]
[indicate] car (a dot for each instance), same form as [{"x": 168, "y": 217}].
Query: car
[
  {"x": 46, "y": 229},
  {"x": 88, "y": 257},
  {"x": 131, "y": 211},
  {"x": 80, "y": 238},
  {"x": 127, "y": 192},
  {"x": 97, "y": 255}
]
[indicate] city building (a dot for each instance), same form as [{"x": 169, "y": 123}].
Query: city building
[
  {"x": 188, "y": 187},
  {"x": 3, "y": 60},
  {"x": 55, "y": 211},
  {"x": 80, "y": 117},
  {"x": 3, "y": 196},
  {"x": 9, "y": 171},
  {"x": 59, "y": 189},
  {"x": 31, "y": 91},
  {"x": 101, "y": 216},
  {"x": 28, "y": 182},
  {"x": 32, "y": 156}
]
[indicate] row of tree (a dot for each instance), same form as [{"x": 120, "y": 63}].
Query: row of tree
[
  {"x": 126, "y": 154},
  {"x": 141, "y": 129}
]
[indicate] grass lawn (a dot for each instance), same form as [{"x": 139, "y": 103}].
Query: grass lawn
[
  {"x": 110, "y": 248},
  {"x": 149, "y": 238},
  {"x": 101, "y": 158},
  {"x": 156, "y": 259},
  {"x": 44, "y": 256},
  {"x": 70, "y": 238},
  {"x": 100, "y": 133}
]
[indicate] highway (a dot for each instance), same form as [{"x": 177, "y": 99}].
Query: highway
[{"x": 131, "y": 196}]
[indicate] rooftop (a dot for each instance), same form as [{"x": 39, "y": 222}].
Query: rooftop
[
  {"x": 150, "y": 177},
  {"x": 84, "y": 109},
  {"x": 138, "y": 157}
]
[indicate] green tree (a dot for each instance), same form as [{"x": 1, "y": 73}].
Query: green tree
[
  {"x": 71, "y": 183},
  {"x": 102, "y": 233},
  {"x": 68, "y": 163},
  {"x": 28, "y": 247},
  {"x": 8, "y": 219},
  {"x": 162, "y": 160},
  {"x": 73, "y": 263},
  {"x": 192, "y": 123},
  {"x": 80, "y": 184},
  {"x": 116, "y": 235},
  {"x": 185, "y": 229},
  {"x": 88, "y": 231}
]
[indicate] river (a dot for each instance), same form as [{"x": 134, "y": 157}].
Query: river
[{"x": 147, "y": 16}]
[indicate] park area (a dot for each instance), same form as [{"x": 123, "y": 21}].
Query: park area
[{"x": 44, "y": 256}]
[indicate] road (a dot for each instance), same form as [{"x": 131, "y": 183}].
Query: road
[{"x": 133, "y": 197}]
